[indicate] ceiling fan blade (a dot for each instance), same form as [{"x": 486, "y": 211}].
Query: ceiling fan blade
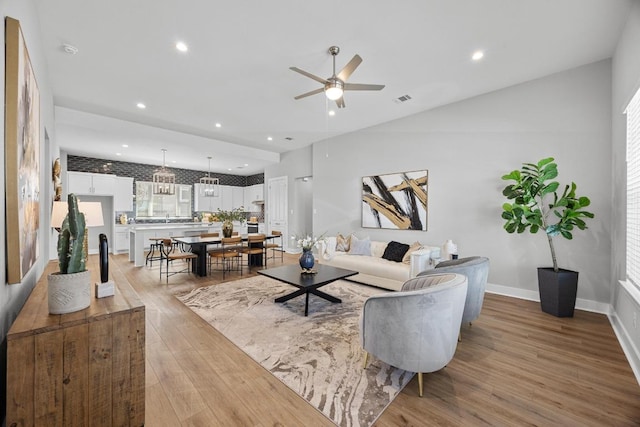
[
  {"x": 313, "y": 92},
  {"x": 360, "y": 86},
  {"x": 349, "y": 68},
  {"x": 340, "y": 102},
  {"x": 311, "y": 76}
]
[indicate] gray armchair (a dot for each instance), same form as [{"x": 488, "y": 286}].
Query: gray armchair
[
  {"x": 477, "y": 270},
  {"x": 417, "y": 328}
]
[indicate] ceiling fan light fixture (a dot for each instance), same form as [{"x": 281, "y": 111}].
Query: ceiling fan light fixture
[{"x": 334, "y": 89}]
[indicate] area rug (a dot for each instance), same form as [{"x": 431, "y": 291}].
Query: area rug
[{"x": 319, "y": 356}]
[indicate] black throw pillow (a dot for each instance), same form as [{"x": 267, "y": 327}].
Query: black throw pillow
[{"x": 395, "y": 251}]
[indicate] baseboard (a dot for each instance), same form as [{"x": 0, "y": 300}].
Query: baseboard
[
  {"x": 627, "y": 345},
  {"x": 581, "y": 304}
]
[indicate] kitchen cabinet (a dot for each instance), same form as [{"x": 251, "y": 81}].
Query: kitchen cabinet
[
  {"x": 252, "y": 194},
  {"x": 238, "y": 197},
  {"x": 121, "y": 239},
  {"x": 94, "y": 184},
  {"x": 123, "y": 194},
  {"x": 204, "y": 203},
  {"x": 226, "y": 192}
]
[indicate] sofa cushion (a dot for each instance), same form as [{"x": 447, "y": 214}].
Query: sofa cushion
[
  {"x": 360, "y": 246},
  {"x": 377, "y": 248},
  {"x": 343, "y": 244},
  {"x": 395, "y": 251},
  {"x": 329, "y": 246},
  {"x": 414, "y": 247}
]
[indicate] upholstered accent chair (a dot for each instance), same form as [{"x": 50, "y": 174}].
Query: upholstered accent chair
[
  {"x": 476, "y": 269},
  {"x": 415, "y": 329}
]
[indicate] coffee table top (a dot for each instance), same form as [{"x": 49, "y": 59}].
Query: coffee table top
[{"x": 292, "y": 274}]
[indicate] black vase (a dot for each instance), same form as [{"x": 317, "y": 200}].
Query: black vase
[{"x": 558, "y": 291}]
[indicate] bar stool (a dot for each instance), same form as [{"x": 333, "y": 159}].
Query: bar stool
[{"x": 156, "y": 245}]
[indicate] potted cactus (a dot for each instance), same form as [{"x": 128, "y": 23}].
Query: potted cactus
[{"x": 69, "y": 289}]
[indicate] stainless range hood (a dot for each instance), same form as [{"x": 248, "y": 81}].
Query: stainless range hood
[{"x": 258, "y": 202}]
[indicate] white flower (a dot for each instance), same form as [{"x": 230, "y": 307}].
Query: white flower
[{"x": 307, "y": 242}]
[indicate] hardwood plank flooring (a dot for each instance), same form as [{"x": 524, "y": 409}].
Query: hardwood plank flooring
[{"x": 514, "y": 366}]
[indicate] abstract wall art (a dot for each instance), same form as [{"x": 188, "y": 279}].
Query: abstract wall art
[
  {"x": 395, "y": 201},
  {"x": 22, "y": 155}
]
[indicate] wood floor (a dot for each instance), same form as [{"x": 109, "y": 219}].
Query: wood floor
[{"x": 515, "y": 366}]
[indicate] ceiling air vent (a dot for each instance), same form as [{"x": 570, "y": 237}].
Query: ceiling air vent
[
  {"x": 403, "y": 98},
  {"x": 288, "y": 138}
]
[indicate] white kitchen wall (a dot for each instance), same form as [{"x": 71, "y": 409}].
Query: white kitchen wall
[{"x": 467, "y": 147}]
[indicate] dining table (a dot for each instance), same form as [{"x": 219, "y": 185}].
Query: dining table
[{"x": 198, "y": 245}]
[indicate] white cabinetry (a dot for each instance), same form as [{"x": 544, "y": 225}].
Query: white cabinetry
[
  {"x": 252, "y": 194},
  {"x": 226, "y": 192},
  {"x": 121, "y": 239},
  {"x": 123, "y": 196},
  {"x": 238, "y": 197},
  {"x": 204, "y": 203},
  {"x": 90, "y": 183}
]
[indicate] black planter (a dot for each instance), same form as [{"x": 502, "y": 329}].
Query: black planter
[{"x": 557, "y": 291}]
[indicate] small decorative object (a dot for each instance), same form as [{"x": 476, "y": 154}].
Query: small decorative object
[
  {"x": 106, "y": 287},
  {"x": 307, "y": 260},
  {"x": 535, "y": 204},
  {"x": 227, "y": 218},
  {"x": 69, "y": 289},
  {"x": 449, "y": 249},
  {"x": 307, "y": 243}
]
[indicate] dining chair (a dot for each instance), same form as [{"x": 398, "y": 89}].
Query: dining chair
[
  {"x": 228, "y": 254},
  {"x": 276, "y": 246},
  {"x": 255, "y": 248},
  {"x": 208, "y": 235},
  {"x": 169, "y": 254}
]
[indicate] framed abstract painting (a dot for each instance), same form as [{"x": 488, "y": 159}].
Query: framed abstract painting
[
  {"x": 22, "y": 155},
  {"x": 396, "y": 201}
]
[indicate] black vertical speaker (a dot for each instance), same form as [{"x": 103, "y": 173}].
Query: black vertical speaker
[{"x": 104, "y": 258}]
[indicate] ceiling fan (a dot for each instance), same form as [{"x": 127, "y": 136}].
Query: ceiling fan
[{"x": 334, "y": 86}]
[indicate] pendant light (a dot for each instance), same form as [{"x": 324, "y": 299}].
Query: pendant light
[
  {"x": 209, "y": 187},
  {"x": 164, "y": 182}
]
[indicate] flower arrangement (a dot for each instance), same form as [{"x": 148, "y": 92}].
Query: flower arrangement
[
  {"x": 237, "y": 214},
  {"x": 307, "y": 242}
]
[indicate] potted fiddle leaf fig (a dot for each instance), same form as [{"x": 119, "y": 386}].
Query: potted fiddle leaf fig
[
  {"x": 69, "y": 289},
  {"x": 536, "y": 204}
]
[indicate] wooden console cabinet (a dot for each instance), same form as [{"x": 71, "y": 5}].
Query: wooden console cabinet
[{"x": 84, "y": 368}]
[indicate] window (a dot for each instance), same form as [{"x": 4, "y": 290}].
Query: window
[
  {"x": 161, "y": 206},
  {"x": 633, "y": 190}
]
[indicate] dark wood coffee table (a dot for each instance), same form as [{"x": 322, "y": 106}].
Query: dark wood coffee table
[{"x": 307, "y": 283}]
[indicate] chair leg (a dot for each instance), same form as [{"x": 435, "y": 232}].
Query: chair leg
[
  {"x": 420, "y": 384},
  {"x": 366, "y": 356}
]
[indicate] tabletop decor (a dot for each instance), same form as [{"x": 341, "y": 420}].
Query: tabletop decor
[
  {"x": 307, "y": 243},
  {"x": 69, "y": 289},
  {"x": 227, "y": 218}
]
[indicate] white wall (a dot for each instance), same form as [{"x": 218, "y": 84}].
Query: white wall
[
  {"x": 12, "y": 297},
  {"x": 625, "y": 82},
  {"x": 293, "y": 164},
  {"x": 467, "y": 147}
]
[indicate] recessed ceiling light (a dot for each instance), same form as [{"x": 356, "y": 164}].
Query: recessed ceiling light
[
  {"x": 477, "y": 55},
  {"x": 141, "y": 106},
  {"x": 182, "y": 47},
  {"x": 229, "y": 169},
  {"x": 269, "y": 138},
  {"x": 125, "y": 145},
  {"x": 218, "y": 125},
  {"x": 246, "y": 164},
  {"x": 332, "y": 113},
  {"x": 173, "y": 161},
  {"x": 118, "y": 154}
]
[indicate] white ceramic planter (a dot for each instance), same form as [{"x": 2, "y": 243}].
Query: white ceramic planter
[{"x": 69, "y": 292}]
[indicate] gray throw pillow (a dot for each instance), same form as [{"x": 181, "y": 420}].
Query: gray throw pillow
[{"x": 360, "y": 247}]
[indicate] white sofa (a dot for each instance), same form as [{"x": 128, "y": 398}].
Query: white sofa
[{"x": 375, "y": 270}]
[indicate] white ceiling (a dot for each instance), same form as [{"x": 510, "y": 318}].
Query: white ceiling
[{"x": 237, "y": 69}]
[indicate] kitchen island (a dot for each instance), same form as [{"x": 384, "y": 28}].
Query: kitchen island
[{"x": 139, "y": 235}]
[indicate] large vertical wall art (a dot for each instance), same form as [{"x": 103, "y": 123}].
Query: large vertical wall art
[
  {"x": 22, "y": 155},
  {"x": 396, "y": 201}
]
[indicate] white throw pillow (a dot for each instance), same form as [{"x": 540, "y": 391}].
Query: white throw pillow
[{"x": 329, "y": 247}]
